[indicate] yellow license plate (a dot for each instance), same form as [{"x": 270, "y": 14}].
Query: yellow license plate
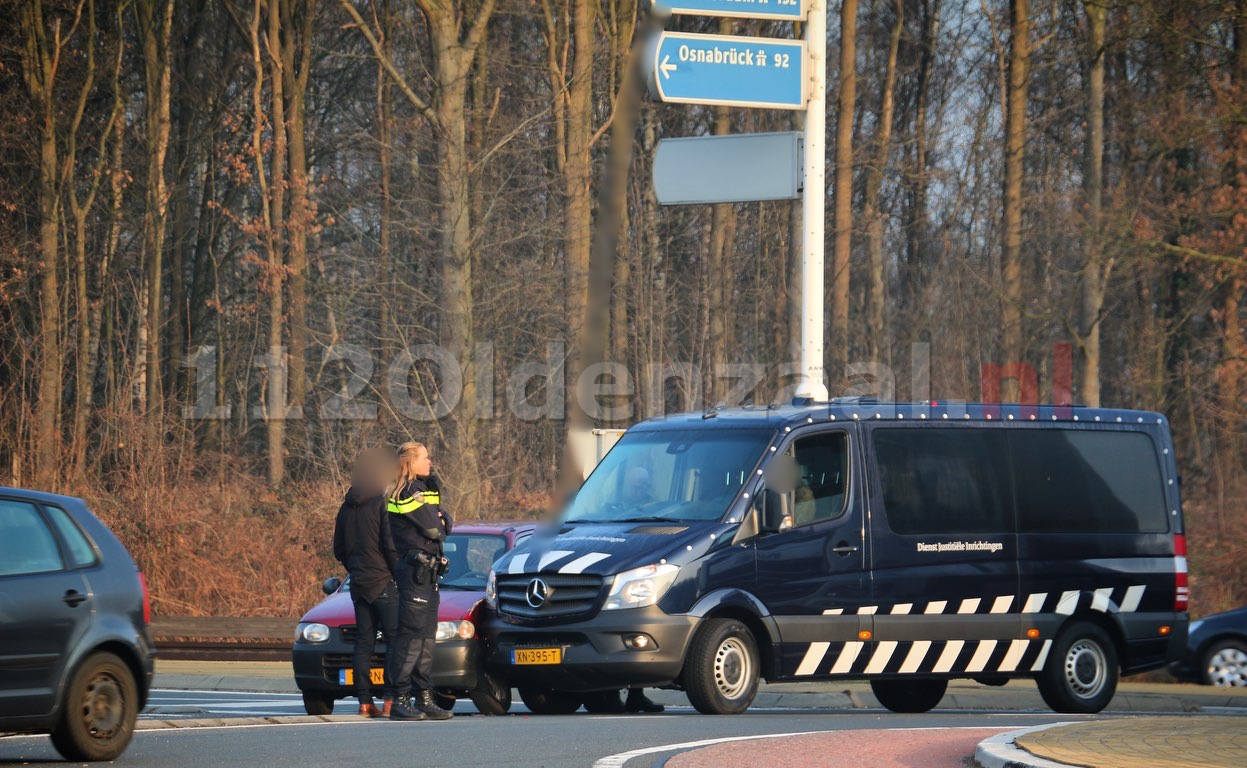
[
  {"x": 537, "y": 656},
  {"x": 347, "y": 676}
]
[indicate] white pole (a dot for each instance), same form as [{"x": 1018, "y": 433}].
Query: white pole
[{"x": 813, "y": 381}]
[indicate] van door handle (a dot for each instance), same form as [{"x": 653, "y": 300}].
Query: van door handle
[
  {"x": 844, "y": 548},
  {"x": 73, "y": 598}
]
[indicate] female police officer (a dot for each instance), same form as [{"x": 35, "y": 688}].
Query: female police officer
[{"x": 419, "y": 525}]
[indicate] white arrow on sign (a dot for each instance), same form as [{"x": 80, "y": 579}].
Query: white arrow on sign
[{"x": 667, "y": 67}]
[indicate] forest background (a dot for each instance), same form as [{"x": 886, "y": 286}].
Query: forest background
[{"x": 242, "y": 239}]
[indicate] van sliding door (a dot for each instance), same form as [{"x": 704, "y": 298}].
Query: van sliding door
[{"x": 944, "y": 577}]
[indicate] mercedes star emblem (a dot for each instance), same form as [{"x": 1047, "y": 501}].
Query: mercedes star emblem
[{"x": 537, "y": 593}]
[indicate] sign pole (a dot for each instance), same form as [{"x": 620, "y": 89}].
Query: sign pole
[{"x": 812, "y": 208}]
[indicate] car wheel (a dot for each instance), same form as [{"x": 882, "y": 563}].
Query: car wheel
[
  {"x": 490, "y": 696},
  {"x": 1225, "y": 664},
  {"x": 317, "y": 703},
  {"x": 546, "y": 701},
  {"x": 101, "y": 706},
  {"x": 721, "y": 669},
  {"x": 912, "y": 696},
  {"x": 1080, "y": 675}
]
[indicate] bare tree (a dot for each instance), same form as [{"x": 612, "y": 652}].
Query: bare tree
[
  {"x": 1015, "y": 146},
  {"x": 842, "y": 252}
]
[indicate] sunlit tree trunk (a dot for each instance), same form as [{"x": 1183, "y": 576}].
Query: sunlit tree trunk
[
  {"x": 40, "y": 61},
  {"x": 1015, "y": 143},
  {"x": 842, "y": 251},
  {"x": 1098, "y": 265},
  {"x": 876, "y": 324}
]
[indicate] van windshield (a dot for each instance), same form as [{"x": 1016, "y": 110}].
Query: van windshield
[{"x": 669, "y": 475}]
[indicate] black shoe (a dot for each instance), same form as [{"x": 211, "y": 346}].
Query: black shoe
[
  {"x": 428, "y": 707},
  {"x": 402, "y": 709},
  {"x": 638, "y": 702}
]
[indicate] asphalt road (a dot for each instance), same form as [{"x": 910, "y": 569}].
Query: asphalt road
[{"x": 470, "y": 741}]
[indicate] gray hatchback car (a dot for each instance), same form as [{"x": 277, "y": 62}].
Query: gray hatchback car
[{"x": 76, "y": 659}]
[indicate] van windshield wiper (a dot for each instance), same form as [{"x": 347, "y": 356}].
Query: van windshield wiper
[{"x": 644, "y": 519}]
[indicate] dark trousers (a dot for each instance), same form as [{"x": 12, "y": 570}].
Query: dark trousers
[
  {"x": 381, "y": 614},
  {"x": 417, "y": 632}
]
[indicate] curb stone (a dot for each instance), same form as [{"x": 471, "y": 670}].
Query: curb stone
[{"x": 1001, "y": 752}]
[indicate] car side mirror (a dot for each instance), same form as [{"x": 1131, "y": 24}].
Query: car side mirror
[{"x": 331, "y": 585}]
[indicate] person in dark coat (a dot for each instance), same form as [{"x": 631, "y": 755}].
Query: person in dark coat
[
  {"x": 363, "y": 543},
  {"x": 419, "y": 524}
]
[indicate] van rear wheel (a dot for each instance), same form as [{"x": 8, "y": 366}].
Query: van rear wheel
[
  {"x": 1080, "y": 675},
  {"x": 721, "y": 669},
  {"x": 912, "y": 696}
]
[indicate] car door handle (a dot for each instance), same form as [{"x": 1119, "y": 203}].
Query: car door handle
[
  {"x": 73, "y": 598},
  {"x": 844, "y": 548}
]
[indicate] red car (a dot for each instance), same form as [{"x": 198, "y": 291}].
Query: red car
[{"x": 325, "y": 638}]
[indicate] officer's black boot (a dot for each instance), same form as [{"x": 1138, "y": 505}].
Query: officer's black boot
[
  {"x": 403, "y": 709},
  {"x": 428, "y": 707}
]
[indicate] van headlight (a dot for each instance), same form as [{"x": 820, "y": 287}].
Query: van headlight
[
  {"x": 449, "y": 630},
  {"x": 491, "y": 589},
  {"x": 640, "y": 587},
  {"x": 312, "y": 632}
]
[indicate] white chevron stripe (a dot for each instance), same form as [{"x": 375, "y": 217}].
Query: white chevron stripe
[
  {"x": 813, "y": 657},
  {"x": 1017, "y": 649},
  {"x": 1043, "y": 656},
  {"x": 1131, "y": 602},
  {"x": 833, "y": 612},
  {"x": 867, "y": 610},
  {"x": 848, "y": 655},
  {"x": 916, "y": 654},
  {"x": 949, "y": 656},
  {"x": 517, "y": 563},
  {"x": 902, "y": 608},
  {"x": 936, "y": 606},
  {"x": 1002, "y": 604},
  {"x": 550, "y": 557},
  {"x": 1067, "y": 603},
  {"x": 969, "y": 605},
  {"x": 1100, "y": 601},
  {"x": 1034, "y": 602},
  {"x": 981, "y": 656},
  {"x": 883, "y": 654},
  {"x": 581, "y": 563}
]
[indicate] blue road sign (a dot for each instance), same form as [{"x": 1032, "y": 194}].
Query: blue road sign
[
  {"x": 734, "y": 71},
  {"x": 790, "y": 10}
]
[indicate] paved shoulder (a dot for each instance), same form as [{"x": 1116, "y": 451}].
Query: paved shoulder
[{"x": 1137, "y": 742}]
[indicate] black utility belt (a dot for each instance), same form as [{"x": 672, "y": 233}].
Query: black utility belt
[{"x": 420, "y": 557}]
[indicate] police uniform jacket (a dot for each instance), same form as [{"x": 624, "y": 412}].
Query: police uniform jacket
[
  {"x": 416, "y": 512},
  {"x": 363, "y": 543}
]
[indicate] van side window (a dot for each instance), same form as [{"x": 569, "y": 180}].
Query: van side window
[
  {"x": 26, "y": 542},
  {"x": 823, "y": 460},
  {"x": 1088, "y": 481},
  {"x": 938, "y": 481}
]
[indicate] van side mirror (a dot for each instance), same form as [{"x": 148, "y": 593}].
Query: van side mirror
[
  {"x": 331, "y": 585},
  {"x": 770, "y": 510}
]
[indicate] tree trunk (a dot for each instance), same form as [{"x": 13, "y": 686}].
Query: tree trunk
[
  {"x": 296, "y": 63},
  {"x": 1015, "y": 142},
  {"x": 40, "y": 61},
  {"x": 1097, "y": 267},
  {"x": 578, "y": 177},
  {"x": 880, "y": 346},
  {"x": 157, "y": 58},
  {"x": 842, "y": 248}
]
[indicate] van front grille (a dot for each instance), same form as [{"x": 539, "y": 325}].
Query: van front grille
[{"x": 565, "y": 595}]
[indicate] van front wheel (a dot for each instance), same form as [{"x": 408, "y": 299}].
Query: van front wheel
[
  {"x": 721, "y": 669},
  {"x": 1080, "y": 675},
  {"x": 911, "y": 696}
]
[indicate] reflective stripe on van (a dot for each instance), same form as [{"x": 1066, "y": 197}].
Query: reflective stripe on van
[{"x": 949, "y": 656}]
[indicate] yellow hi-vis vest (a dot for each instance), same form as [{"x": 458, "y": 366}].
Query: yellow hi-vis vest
[{"x": 412, "y": 503}]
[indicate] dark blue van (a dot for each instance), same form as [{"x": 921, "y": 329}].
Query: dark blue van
[{"x": 907, "y": 544}]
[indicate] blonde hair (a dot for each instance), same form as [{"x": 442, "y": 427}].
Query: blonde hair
[{"x": 407, "y": 455}]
